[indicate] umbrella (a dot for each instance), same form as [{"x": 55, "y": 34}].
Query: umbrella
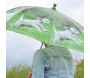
[{"x": 49, "y": 33}]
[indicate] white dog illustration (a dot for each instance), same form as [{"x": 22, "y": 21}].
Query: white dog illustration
[
  {"x": 37, "y": 23},
  {"x": 69, "y": 33}
]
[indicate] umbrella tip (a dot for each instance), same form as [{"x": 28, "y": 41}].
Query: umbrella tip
[{"x": 54, "y": 6}]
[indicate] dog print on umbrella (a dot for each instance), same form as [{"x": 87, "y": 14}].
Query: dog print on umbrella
[
  {"x": 38, "y": 23},
  {"x": 70, "y": 33}
]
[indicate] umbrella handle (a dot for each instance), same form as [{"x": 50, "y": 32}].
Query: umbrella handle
[{"x": 43, "y": 44}]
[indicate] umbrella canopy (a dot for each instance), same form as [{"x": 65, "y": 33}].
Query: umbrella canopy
[{"x": 59, "y": 29}]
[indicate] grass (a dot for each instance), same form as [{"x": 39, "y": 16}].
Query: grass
[
  {"x": 19, "y": 71},
  {"x": 80, "y": 71}
]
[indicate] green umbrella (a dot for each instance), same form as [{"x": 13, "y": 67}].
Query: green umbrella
[{"x": 58, "y": 22}]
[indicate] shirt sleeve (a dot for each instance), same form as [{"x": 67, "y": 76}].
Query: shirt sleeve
[{"x": 39, "y": 62}]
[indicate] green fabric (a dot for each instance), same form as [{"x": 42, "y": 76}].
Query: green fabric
[{"x": 58, "y": 19}]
